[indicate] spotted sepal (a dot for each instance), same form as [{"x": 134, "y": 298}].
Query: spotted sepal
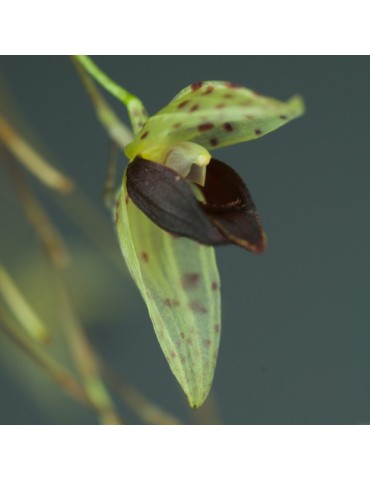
[
  {"x": 213, "y": 114},
  {"x": 179, "y": 282}
]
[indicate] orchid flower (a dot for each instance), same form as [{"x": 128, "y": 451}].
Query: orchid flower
[{"x": 177, "y": 201}]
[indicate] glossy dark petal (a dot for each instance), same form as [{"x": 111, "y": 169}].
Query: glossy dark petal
[
  {"x": 168, "y": 200},
  {"x": 230, "y": 207}
]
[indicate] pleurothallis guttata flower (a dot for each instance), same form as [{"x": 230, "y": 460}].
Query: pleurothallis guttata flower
[{"x": 177, "y": 202}]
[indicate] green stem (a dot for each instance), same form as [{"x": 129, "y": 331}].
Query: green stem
[
  {"x": 21, "y": 309},
  {"x": 123, "y": 95},
  {"x": 135, "y": 108},
  {"x": 117, "y": 131}
]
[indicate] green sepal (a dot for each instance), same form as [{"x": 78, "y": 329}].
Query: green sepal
[
  {"x": 213, "y": 114},
  {"x": 179, "y": 282}
]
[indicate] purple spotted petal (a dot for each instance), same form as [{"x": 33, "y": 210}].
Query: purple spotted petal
[
  {"x": 168, "y": 200},
  {"x": 229, "y": 205}
]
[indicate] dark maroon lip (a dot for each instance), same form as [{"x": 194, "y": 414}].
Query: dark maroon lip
[
  {"x": 230, "y": 207},
  {"x": 168, "y": 200},
  {"x": 227, "y": 215}
]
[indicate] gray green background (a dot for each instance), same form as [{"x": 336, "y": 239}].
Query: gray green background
[{"x": 295, "y": 342}]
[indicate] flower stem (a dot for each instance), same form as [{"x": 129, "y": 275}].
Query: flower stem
[
  {"x": 116, "y": 129},
  {"x": 47, "y": 233},
  {"x": 135, "y": 108}
]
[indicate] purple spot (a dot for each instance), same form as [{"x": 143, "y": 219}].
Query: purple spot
[
  {"x": 258, "y": 131},
  {"x": 207, "y": 343},
  {"x": 215, "y": 286},
  {"x": 144, "y": 135},
  {"x": 233, "y": 85},
  {"x": 171, "y": 302},
  {"x": 197, "y": 307},
  {"x": 217, "y": 328},
  {"x": 127, "y": 199},
  {"x": 145, "y": 257},
  {"x": 189, "y": 281},
  {"x": 194, "y": 107},
  {"x": 208, "y": 90},
  {"x": 228, "y": 95},
  {"x": 196, "y": 86},
  {"x": 176, "y": 125},
  {"x": 228, "y": 127},
  {"x": 205, "y": 126},
  {"x": 182, "y": 104},
  {"x": 221, "y": 105},
  {"x": 172, "y": 354},
  {"x": 117, "y": 207},
  {"x": 214, "y": 142},
  {"x": 283, "y": 117}
]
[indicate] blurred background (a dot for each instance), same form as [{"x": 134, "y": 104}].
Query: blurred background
[{"x": 295, "y": 345}]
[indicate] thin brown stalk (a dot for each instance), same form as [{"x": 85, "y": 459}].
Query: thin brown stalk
[
  {"x": 57, "y": 255},
  {"x": 58, "y": 373},
  {"x": 110, "y": 179},
  {"x": 32, "y": 160},
  {"x": 83, "y": 354},
  {"x": 21, "y": 309},
  {"x": 148, "y": 411},
  {"x": 97, "y": 227},
  {"x": 44, "y": 228}
]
